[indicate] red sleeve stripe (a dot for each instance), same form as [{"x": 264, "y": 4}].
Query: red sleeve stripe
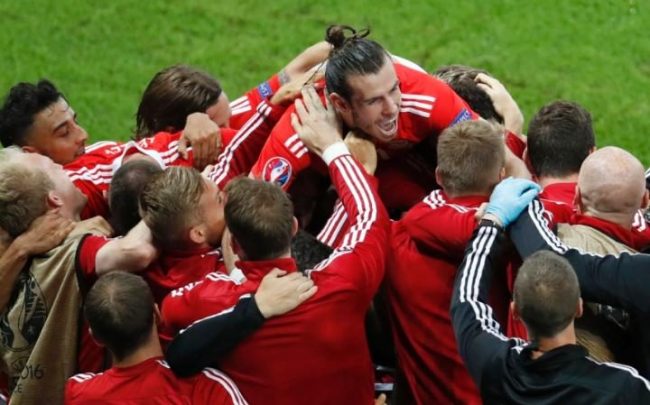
[
  {"x": 418, "y": 97},
  {"x": 223, "y": 166},
  {"x": 241, "y": 102},
  {"x": 295, "y": 146},
  {"x": 330, "y": 232},
  {"x": 435, "y": 199},
  {"x": 365, "y": 204},
  {"x": 227, "y": 384},
  {"x": 83, "y": 377},
  {"x": 99, "y": 144}
]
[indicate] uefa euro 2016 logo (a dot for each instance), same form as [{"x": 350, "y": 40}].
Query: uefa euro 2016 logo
[{"x": 277, "y": 170}]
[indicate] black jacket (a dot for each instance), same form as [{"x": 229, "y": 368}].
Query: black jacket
[{"x": 503, "y": 368}]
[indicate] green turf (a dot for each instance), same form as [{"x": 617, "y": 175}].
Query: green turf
[{"x": 102, "y": 53}]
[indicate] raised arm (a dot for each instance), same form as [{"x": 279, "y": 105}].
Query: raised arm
[
  {"x": 361, "y": 255},
  {"x": 617, "y": 281},
  {"x": 478, "y": 334},
  {"x": 45, "y": 233},
  {"x": 133, "y": 252}
]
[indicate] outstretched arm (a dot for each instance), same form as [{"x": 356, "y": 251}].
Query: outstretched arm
[
  {"x": 208, "y": 339},
  {"x": 618, "y": 281}
]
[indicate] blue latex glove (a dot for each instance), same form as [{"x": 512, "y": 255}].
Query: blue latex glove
[{"x": 510, "y": 198}]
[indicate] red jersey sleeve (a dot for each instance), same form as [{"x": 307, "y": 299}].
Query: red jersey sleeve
[
  {"x": 283, "y": 156},
  {"x": 243, "y": 108},
  {"x": 214, "y": 387},
  {"x": 87, "y": 255},
  {"x": 440, "y": 228},
  {"x": 431, "y": 105},
  {"x": 185, "y": 305},
  {"x": 361, "y": 256},
  {"x": 245, "y": 145},
  {"x": 516, "y": 144}
]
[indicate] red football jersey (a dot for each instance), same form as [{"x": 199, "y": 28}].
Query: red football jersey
[
  {"x": 426, "y": 248},
  {"x": 318, "y": 352},
  {"x": 152, "y": 382},
  {"x": 428, "y": 107},
  {"x": 244, "y": 107}
]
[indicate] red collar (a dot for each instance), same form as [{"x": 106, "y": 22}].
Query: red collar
[
  {"x": 470, "y": 201},
  {"x": 560, "y": 192},
  {"x": 137, "y": 369},
  {"x": 615, "y": 231},
  {"x": 255, "y": 270}
]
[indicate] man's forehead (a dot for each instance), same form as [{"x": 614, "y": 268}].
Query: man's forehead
[
  {"x": 55, "y": 113},
  {"x": 374, "y": 84}
]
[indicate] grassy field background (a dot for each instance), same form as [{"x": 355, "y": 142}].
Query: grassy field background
[{"x": 102, "y": 54}]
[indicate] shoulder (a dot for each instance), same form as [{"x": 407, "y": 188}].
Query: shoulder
[
  {"x": 215, "y": 386},
  {"x": 81, "y": 385}
]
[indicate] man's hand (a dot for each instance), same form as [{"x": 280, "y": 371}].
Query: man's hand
[
  {"x": 45, "y": 233},
  {"x": 205, "y": 138},
  {"x": 509, "y": 199},
  {"x": 95, "y": 225},
  {"x": 291, "y": 90},
  {"x": 317, "y": 125},
  {"x": 279, "y": 294},
  {"x": 504, "y": 104},
  {"x": 363, "y": 150}
]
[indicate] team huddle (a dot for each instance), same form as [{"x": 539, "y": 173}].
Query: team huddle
[{"x": 353, "y": 230}]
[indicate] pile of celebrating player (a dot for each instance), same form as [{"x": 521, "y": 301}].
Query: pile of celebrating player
[{"x": 354, "y": 230}]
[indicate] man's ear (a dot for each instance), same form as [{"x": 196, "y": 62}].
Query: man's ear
[
  {"x": 439, "y": 177},
  {"x": 645, "y": 200},
  {"x": 294, "y": 226},
  {"x": 29, "y": 149},
  {"x": 339, "y": 103},
  {"x": 577, "y": 201},
  {"x": 92, "y": 335},
  {"x": 53, "y": 200},
  {"x": 579, "y": 308},
  {"x": 526, "y": 159},
  {"x": 157, "y": 317},
  {"x": 514, "y": 311},
  {"x": 502, "y": 173},
  {"x": 197, "y": 234},
  {"x": 236, "y": 247}
]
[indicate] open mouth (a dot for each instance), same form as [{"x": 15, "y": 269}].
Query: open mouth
[{"x": 389, "y": 127}]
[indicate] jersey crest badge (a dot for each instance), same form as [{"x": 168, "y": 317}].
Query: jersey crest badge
[
  {"x": 277, "y": 170},
  {"x": 463, "y": 115}
]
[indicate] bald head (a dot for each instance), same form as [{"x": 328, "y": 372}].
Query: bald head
[{"x": 611, "y": 182}]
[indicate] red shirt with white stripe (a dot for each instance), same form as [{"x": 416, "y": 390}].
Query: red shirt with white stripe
[
  {"x": 245, "y": 106},
  {"x": 428, "y": 106},
  {"x": 92, "y": 172},
  {"x": 318, "y": 352},
  {"x": 152, "y": 382},
  {"x": 426, "y": 247}
]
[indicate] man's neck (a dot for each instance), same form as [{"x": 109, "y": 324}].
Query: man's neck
[
  {"x": 545, "y": 181},
  {"x": 565, "y": 337},
  {"x": 150, "y": 349},
  {"x": 618, "y": 218}
]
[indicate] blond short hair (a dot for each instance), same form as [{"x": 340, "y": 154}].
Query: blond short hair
[
  {"x": 23, "y": 192},
  {"x": 169, "y": 204},
  {"x": 470, "y": 156}
]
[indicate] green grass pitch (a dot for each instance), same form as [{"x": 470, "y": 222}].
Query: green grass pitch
[{"x": 103, "y": 53}]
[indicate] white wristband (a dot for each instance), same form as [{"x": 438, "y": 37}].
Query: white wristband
[{"x": 335, "y": 150}]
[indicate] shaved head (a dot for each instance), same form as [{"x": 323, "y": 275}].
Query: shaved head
[{"x": 611, "y": 182}]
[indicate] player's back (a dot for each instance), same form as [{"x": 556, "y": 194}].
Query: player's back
[
  {"x": 151, "y": 382},
  {"x": 315, "y": 354}
]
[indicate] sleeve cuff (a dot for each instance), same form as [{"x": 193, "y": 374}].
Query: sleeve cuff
[{"x": 335, "y": 150}]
